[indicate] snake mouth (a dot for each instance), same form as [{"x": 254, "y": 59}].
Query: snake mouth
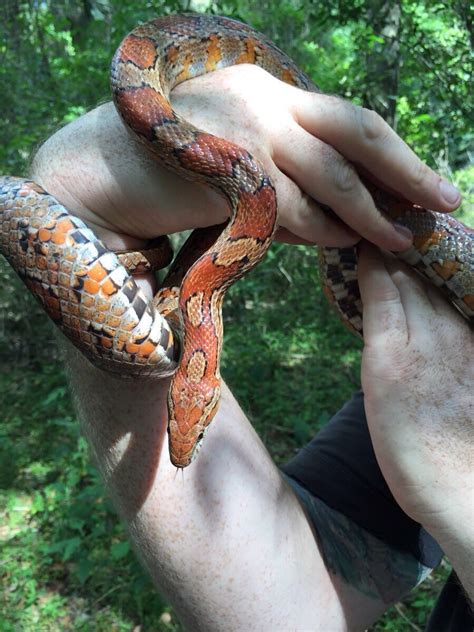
[{"x": 183, "y": 457}]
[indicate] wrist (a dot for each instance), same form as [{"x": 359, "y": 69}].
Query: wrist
[
  {"x": 454, "y": 524},
  {"x": 457, "y": 542}
]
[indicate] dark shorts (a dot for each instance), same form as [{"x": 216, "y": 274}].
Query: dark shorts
[{"x": 339, "y": 468}]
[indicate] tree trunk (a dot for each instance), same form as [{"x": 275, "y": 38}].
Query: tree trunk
[{"x": 383, "y": 59}]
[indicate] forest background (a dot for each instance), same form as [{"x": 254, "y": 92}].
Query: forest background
[{"x": 65, "y": 561}]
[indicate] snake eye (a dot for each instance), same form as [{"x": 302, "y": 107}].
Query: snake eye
[{"x": 197, "y": 445}]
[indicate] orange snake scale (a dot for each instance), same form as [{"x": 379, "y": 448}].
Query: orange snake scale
[{"x": 93, "y": 298}]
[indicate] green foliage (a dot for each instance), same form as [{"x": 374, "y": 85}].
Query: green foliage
[
  {"x": 346, "y": 48},
  {"x": 54, "y": 56},
  {"x": 412, "y": 613},
  {"x": 66, "y": 563},
  {"x": 280, "y": 349}
]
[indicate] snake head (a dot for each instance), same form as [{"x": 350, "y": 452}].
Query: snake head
[{"x": 191, "y": 408}]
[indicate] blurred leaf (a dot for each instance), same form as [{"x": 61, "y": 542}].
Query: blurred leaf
[{"x": 120, "y": 549}]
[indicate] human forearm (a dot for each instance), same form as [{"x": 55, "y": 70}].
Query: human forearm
[{"x": 224, "y": 539}]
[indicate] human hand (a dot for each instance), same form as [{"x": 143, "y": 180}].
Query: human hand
[
  {"x": 305, "y": 141},
  {"x": 417, "y": 375}
]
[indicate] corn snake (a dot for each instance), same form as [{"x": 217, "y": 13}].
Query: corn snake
[{"x": 92, "y": 297}]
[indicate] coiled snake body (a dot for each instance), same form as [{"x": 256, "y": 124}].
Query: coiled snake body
[{"x": 93, "y": 298}]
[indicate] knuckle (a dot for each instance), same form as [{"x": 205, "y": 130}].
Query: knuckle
[
  {"x": 332, "y": 101},
  {"x": 343, "y": 113},
  {"x": 373, "y": 127},
  {"x": 345, "y": 176},
  {"x": 419, "y": 174}
]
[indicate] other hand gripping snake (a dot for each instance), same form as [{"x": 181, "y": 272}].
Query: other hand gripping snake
[{"x": 93, "y": 298}]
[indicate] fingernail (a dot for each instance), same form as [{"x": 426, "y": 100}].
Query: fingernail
[
  {"x": 403, "y": 230},
  {"x": 449, "y": 192}
]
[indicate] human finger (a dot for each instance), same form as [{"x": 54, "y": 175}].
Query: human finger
[
  {"x": 383, "y": 312},
  {"x": 427, "y": 309},
  {"x": 309, "y": 223},
  {"x": 287, "y": 237},
  {"x": 326, "y": 176},
  {"x": 303, "y": 218},
  {"x": 413, "y": 291},
  {"x": 363, "y": 137}
]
